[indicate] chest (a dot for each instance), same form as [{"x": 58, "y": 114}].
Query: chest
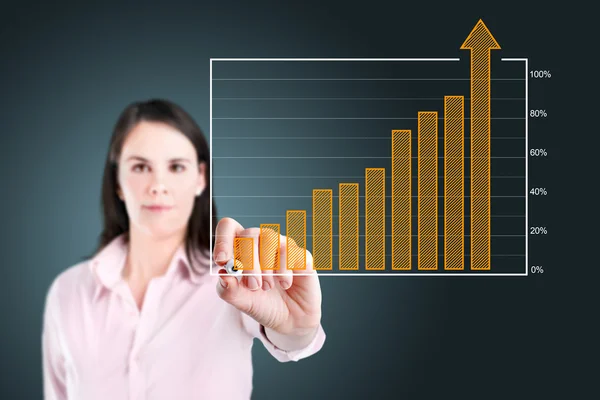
[
  {"x": 138, "y": 291},
  {"x": 178, "y": 339},
  {"x": 181, "y": 330}
]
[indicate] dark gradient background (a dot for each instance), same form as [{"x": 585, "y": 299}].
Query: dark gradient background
[{"x": 68, "y": 71}]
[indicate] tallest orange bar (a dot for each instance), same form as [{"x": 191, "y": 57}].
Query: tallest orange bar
[
  {"x": 480, "y": 41},
  {"x": 428, "y": 190}
]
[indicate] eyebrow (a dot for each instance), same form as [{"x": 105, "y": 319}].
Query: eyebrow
[{"x": 140, "y": 158}]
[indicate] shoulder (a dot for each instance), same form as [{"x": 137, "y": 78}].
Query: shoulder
[{"x": 69, "y": 285}]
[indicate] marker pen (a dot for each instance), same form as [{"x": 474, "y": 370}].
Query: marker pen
[{"x": 235, "y": 272}]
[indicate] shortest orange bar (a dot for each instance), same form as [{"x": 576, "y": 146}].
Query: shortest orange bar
[{"x": 243, "y": 253}]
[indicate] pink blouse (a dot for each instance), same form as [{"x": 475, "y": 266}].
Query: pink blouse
[{"x": 186, "y": 343}]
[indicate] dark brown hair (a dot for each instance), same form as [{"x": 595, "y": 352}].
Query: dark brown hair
[{"x": 116, "y": 220}]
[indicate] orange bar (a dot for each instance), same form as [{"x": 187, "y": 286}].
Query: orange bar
[
  {"x": 322, "y": 229},
  {"x": 454, "y": 180},
  {"x": 375, "y": 218},
  {"x": 428, "y": 176},
  {"x": 401, "y": 200},
  {"x": 480, "y": 42},
  {"x": 348, "y": 226},
  {"x": 269, "y": 251},
  {"x": 243, "y": 253},
  {"x": 296, "y": 239}
]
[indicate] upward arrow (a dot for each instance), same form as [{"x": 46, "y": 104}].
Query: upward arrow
[
  {"x": 480, "y": 38},
  {"x": 481, "y": 42}
]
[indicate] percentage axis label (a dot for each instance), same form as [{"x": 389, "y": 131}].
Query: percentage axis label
[
  {"x": 543, "y": 74},
  {"x": 538, "y": 114},
  {"x": 538, "y": 153},
  {"x": 538, "y": 230},
  {"x": 537, "y": 269},
  {"x": 538, "y": 192}
]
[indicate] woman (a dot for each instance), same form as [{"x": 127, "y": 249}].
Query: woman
[{"x": 141, "y": 319}]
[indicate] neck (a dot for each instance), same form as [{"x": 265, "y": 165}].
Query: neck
[{"x": 149, "y": 256}]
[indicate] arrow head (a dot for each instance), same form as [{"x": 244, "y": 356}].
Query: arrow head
[{"x": 480, "y": 38}]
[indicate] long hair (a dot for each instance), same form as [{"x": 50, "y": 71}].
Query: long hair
[{"x": 116, "y": 220}]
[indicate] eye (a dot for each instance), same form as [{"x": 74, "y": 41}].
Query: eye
[
  {"x": 178, "y": 167},
  {"x": 136, "y": 168}
]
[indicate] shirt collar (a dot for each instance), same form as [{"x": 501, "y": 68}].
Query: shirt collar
[{"x": 108, "y": 264}]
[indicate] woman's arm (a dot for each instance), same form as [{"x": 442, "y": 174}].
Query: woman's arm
[
  {"x": 259, "y": 331},
  {"x": 53, "y": 361},
  {"x": 290, "y": 343}
]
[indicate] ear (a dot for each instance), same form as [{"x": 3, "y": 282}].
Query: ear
[{"x": 120, "y": 194}]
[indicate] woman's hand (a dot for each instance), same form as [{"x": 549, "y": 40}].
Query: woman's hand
[{"x": 288, "y": 305}]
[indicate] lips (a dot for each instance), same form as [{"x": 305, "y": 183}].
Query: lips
[{"x": 157, "y": 208}]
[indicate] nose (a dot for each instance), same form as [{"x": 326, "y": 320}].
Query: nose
[{"x": 158, "y": 188}]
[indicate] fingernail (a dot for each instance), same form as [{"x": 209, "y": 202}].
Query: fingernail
[
  {"x": 284, "y": 284},
  {"x": 266, "y": 286},
  {"x": 252, "y": 283},
  {"x": 223, "y": 283},
  {"x": 221, "y": 257}
]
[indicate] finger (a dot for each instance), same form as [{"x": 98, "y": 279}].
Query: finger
[
  {"x": 269, "y": 254},
  {"x": 302, "y": 261},
  {"x": 227, "y": 229},
  {"x": 227, "y": 281},
  {"x": 304, "y": 265},
  {"x": 231, "y": 290},
  {"x": 252, "y": 277},
  {"x": 286, "y": 275}
]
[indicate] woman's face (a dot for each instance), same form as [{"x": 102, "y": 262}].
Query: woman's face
[{"x": 159, "y": 166}]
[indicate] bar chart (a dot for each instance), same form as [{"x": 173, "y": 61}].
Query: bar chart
[{"x": 377, "y": 166}]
